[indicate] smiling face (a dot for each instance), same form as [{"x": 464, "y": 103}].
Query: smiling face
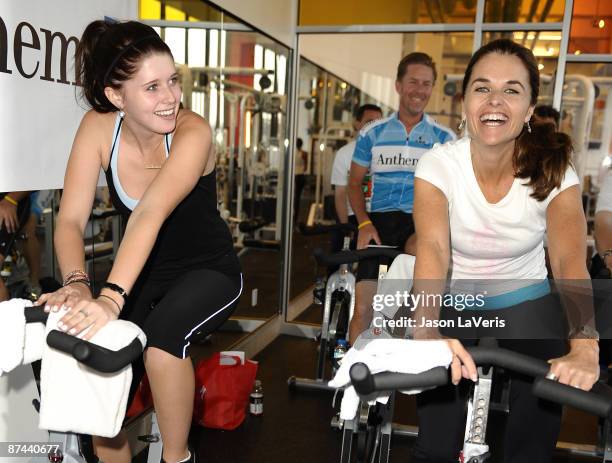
[
  {"x": 414, "y": 89},
  {"x": 497, "y": 100},
  {"x": 151, "y": 97}
]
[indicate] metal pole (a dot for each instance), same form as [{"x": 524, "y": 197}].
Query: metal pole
[
  {"x": 288, "y": 186},
  {"x": 565, "y": 32},
  {"x": 480, "y": 6}
]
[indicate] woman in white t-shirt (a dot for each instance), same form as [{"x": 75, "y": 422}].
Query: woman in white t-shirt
[{"x": 482, "y": 207}]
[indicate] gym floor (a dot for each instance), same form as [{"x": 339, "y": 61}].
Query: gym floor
[{"x": 296, "y": 424}]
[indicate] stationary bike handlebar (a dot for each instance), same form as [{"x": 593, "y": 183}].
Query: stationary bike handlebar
[
  {"x": 348, "y": 257},
  {"x": 597, "y": 402},
  {"x": 97, "y": 357}
]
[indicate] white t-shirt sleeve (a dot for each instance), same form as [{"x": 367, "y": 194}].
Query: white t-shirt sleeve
[
  {"x": 604, "y": 199},
  {"x": 570, "y": 179},
  {"x": 342, "y": 165},
  {"x": 433, "y": 169}
]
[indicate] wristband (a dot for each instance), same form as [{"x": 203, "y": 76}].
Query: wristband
[
  {"x": 363, "y": 224},
  {"x": 10, "y": 200},
  {"x": 116, "y": 288},
  {"x": 114, "y": 302}
]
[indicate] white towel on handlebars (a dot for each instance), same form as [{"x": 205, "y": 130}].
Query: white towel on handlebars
[
  {"x": 394, "y": 355},
  {"x": 19, "y": 342},
  {"x": 76, "y": 398}
]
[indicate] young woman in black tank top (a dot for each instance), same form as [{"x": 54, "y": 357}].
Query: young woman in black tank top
[{"x": 176, "y": 272}]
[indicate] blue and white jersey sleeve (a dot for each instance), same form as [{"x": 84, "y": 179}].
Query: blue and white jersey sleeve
[{"x": 363, "y": 150}]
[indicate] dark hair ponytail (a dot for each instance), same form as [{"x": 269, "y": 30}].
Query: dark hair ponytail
[
  {"x": 109, "y": 53},
  {"x": 543, "y": 155}
]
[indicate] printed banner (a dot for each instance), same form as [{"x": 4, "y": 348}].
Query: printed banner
[{"x": 38, "y": 87}]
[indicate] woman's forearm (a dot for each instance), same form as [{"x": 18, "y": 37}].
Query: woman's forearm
[
  {"x": 430, "y": 273},
  {"x": 136, "y": 245},
  {"x": 576, "y": 293},
  {"x": 69, "y": 247}
]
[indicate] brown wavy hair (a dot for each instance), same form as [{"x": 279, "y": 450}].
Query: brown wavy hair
[
  {"x": 109, "y": 53},
  {"x": 542, "y": 155}
]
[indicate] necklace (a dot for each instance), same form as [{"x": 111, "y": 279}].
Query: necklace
[{"x": 154, "y": 166}]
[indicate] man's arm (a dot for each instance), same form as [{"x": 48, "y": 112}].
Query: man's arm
[
  {"x": 339, "y": 180},
  {"x": 340, "y": 199},
  {"x": 355, "y": 192},
  {"x": 8, "y": 210}
]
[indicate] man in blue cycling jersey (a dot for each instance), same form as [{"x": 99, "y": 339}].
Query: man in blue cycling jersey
[{"x": 390, "y": 149}]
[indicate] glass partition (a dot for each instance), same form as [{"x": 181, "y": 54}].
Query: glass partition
[
  {"x": 349, "y": 12},
  {"x": 351, "y": 71},
  {"x": 586, "y": 115},
  {"x": 591, "y": 30},
  {"x": 236, "y": 78},
  {"x": 513, "y": 11},
  {"x": 545, "y": 47}
]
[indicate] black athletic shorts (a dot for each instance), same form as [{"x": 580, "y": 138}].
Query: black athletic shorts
[
  {"x": 7, "y": 239},
  {"x": 172, "y": 311},
  {"x": 394, "y": 228}
]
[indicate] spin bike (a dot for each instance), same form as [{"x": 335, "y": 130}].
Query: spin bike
[
  {"x": 597, "y": 402},
  {"x": 339, "y": 304},
  {"x": 69, "y": 447}
]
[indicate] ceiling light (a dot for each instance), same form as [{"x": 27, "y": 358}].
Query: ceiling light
[{"x": 601, "y": 24}]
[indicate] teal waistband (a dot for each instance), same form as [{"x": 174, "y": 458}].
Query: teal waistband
[{"x": 528, "y": 293}]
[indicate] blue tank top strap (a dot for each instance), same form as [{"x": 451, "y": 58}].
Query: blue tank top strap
[{"x": 129, "y": 203}]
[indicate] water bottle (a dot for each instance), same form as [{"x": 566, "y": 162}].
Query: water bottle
[
  {"x": 256, "y": 399},
  {"x": 339, "y": 351}
]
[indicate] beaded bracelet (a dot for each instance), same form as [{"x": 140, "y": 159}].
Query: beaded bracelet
[{"x": 76, "y": 276}]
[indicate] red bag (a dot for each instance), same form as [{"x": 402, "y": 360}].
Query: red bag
[
  {"x": 224, "y": 383},
  {"x": 143, "y": 400}
]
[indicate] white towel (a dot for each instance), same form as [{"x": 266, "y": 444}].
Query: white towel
[
  {"x": 12, "y": 333},
  {"x": 397, "y": 280},
  {"x": 394, "y": 355},
  {"x": 35, "y": 336},
  {"x": 79, "y": 399}
]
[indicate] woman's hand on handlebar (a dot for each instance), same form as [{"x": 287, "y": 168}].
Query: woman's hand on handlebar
[
  {"x": 580, "y": 367},
  {"x": 68, "y": 296},
  {"x": 462, "y": 364},
  {"x": 93, "y": 314},
  {"x": 366, "y": 234}
]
